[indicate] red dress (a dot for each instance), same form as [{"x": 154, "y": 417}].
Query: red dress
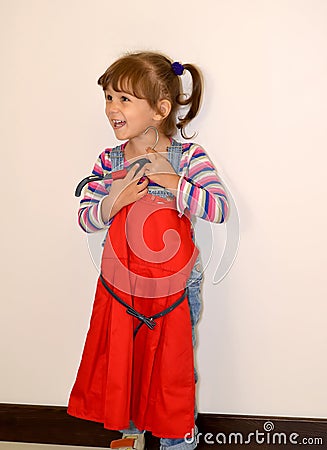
[{"x": 147, "y": 378}]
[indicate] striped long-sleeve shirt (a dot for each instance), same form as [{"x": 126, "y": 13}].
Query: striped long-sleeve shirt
[{"x": 200, "y": 190}]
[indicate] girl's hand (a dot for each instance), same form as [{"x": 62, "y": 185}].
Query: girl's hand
[
  {"x": 161, "y": 171},
  {"x": 123, "y": 192},
  {"x": 127, "y": 190}
]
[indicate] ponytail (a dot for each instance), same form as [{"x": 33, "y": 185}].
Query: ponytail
[{"x": 194, "y": 100}]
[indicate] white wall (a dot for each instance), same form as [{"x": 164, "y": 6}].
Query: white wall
[{"x": 263, "y": 331}]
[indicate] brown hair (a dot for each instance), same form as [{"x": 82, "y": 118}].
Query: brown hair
[{"x": 150, "y": 76}]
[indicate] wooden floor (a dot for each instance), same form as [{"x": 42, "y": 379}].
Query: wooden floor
[
  {"x": 21, "y": 446},
  {"x": 151, "y": 443}
]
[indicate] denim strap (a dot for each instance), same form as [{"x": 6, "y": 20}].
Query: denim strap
[
  {"x": 117, "y": 158},
  {"x": 175, "y": 151}
]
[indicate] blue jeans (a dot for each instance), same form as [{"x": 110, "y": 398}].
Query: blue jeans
[{"x": 171, "y": 444}]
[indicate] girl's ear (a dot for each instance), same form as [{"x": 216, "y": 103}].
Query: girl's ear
[{"x": 163, "y": 108}]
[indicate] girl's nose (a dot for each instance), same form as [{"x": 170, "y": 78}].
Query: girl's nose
[{"x": 111, "y": 107}]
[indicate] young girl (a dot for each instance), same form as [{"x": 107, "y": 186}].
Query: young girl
[{"x": 137, "y": 369}]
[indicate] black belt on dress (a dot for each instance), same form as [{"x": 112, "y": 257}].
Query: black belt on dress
[{"x": 148, "y": 321}]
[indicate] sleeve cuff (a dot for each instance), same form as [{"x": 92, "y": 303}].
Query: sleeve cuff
[
  {"x": 180, "y": 204},
  {"x": 101, "y": 222}
]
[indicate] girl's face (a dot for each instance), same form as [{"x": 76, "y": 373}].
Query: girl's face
[{"x": 129, "y": 116}]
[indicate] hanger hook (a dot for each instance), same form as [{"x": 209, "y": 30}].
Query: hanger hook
[{"x": 157, "y": 135}]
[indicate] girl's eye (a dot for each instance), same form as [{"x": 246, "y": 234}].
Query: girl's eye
[
  {"x": 125, "y": 99},
  {"x": 109, "y": 98}
]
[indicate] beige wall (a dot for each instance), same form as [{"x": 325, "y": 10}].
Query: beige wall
[{"x": 262, "y": 337}]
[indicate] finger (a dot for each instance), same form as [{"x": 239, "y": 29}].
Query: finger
[
  {"x": 143, "y": 184},
  {"x": 132, "y": 171},
  {"x": 142, "y": 193},
  {"x": 151, "y": 152}
]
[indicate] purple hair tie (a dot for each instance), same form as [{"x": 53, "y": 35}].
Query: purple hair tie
[{"x": 178, "y": 68}]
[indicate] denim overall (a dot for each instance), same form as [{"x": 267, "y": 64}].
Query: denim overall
[{"x": 193, "y": 284}]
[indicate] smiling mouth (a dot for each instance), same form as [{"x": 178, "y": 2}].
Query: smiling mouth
[{"x": 118, "y": 123}]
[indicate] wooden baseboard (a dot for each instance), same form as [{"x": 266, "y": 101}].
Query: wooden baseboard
[{"x": 52, "y": 425}]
